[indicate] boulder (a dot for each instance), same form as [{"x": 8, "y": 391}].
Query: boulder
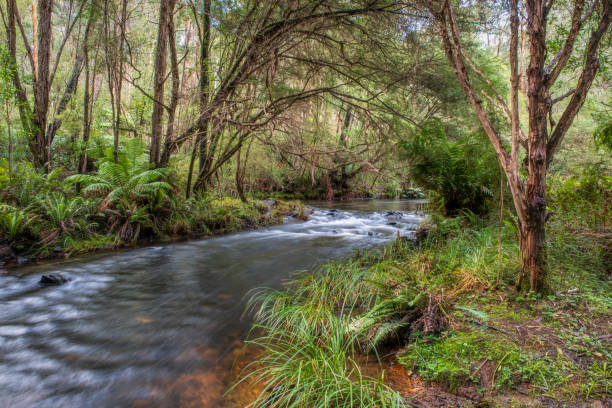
[{"x": 53, "y": 279}]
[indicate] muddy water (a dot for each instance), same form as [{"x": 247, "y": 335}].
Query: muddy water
[{"x": 161, "y": 326}]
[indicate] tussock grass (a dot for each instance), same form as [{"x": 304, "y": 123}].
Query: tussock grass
[{"x": 450, "y": 303}]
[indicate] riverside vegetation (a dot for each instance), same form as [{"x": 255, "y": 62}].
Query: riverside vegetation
[
  {"x": 441, "y": 322},
  {"x": 498, "y": 112},
  {"x": 122, "y": 203}
]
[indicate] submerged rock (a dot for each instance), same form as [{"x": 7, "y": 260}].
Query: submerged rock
[{"x": 53, "y": 279}]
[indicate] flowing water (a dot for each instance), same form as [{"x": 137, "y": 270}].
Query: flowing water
[{"x": 160, "y": 326}]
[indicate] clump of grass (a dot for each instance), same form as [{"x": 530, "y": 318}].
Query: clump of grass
[
  {"x": 301, "y": 367},
  {"x": 599, "y": 380}
]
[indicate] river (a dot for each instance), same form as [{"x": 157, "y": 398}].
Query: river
[{"x": 160, "y": 326}]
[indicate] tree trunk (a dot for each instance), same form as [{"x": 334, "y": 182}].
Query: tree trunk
[
  {"x": 10, "y": 141},
  {"x": 203, "y": 131},
  {"x": 533, "y": 275},
  {"x": 158, "y": 81},
  {"x": 42, "y": 84},
  {"x": 174, "y": 93},
  {"x": 119, "y": 78},
  {"x": 240, "y": 178},
  {"x": 23, "y": 105},
  {"x": 70, "y": 90},
  {"x": 87, "y": 98},
  {"x": 35, "y": 37}
]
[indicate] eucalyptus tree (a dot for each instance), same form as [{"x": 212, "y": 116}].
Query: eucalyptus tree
[
  {"x": 43, "y": 64},
  {"x": 586, "y": 28},
  {"x": 165, "y": 39}
]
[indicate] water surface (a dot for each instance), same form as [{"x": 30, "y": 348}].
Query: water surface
[{"x": 159, "y": 326}]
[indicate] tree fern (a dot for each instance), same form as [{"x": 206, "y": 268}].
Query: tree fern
[{"x": 123, "y": 180}]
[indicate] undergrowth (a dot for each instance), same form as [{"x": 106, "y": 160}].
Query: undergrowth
[{"x": 448, "y": 308}]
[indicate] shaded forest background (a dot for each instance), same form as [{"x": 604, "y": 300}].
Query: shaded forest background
[{"x": 115, "y": 112}]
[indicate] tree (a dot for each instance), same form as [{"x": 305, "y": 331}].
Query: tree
[
  {"x": 35, "y": 119},
  {"x": 166, "y": 11},
  {"x": 259, "y": 39},
  {"x": 544, "y": 134}
]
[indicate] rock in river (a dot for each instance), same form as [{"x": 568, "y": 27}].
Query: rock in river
[{"x": 53, "y": 279}]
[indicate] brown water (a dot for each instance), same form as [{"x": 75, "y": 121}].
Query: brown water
[{"x": 161, "y": 326}]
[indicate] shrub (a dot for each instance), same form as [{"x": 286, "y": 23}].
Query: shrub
[
  {"x": 15, "y": 224},
  {"x": 461, "y": 173}
]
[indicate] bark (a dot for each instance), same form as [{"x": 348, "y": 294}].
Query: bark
[
  {"x": 203, "y": 131},
  {"x": 119, "y": 78},
  {"x": 87, "y": 98},
  {"x": 23, "y": 105},
  {"x": 42, "y": 85},
  {"x": 532, "y": 234},
  {"x": 174, "y": 71},
  {"x": 241, "y": 172},
  {"x": 114, "y": 36},
  {"x": 10, "y": 140},
  {"x": 82, "y": 166},
  {"x": 159, "y": 79},
  {"x": 35, "y": 37}
]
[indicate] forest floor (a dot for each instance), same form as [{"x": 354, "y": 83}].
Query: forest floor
[{"x": 439, "y": 324}]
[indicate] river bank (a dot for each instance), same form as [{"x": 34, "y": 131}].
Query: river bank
[
  {"x": 439, "y": 324},
  {"x": 161, "y": 325},
  {"x": 211, "y": 217}
]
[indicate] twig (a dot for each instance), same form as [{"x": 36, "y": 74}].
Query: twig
[{"x": 495, "y": 329}]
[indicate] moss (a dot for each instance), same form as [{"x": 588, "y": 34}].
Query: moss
[{"x": 459, "y": 357}]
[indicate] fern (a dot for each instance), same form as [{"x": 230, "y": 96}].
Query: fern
[
  {"x": 14, "y": 223},
  {"x": 123, "y": 180},
  {"x": 64, "y": 216}
]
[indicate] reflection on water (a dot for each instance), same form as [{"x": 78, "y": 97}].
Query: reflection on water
[{"x": 160, "y": 326}]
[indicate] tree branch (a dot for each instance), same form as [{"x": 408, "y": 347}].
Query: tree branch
[
  {"x": 591, "y": 65},
  {"x": 559, "y": 60}
]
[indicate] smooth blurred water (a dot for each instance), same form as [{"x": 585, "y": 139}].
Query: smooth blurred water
[{"x": 157, "y": 326}]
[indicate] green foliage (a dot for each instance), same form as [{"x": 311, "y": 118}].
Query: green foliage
[
  {"x": 128, "y": 179},
  {"x": 328, "y": 316},
  {"x": 26, "y": 183},
  {"x": 14, "y": 223},
  {"x": 63, "y": 215},
  {"x": 127, "y": 219},
  {"x": 603, "y": 135},
  {"x": 462, "y": 173},
  {"x": 586, "y": 194},
  {"x": 7, "y": 69},
  {"x": 454, "y": 359},
  {"x": 301, "y": 370},
  {"x": 599, "y": 381},
  {"x": 309, "y": 344}
]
